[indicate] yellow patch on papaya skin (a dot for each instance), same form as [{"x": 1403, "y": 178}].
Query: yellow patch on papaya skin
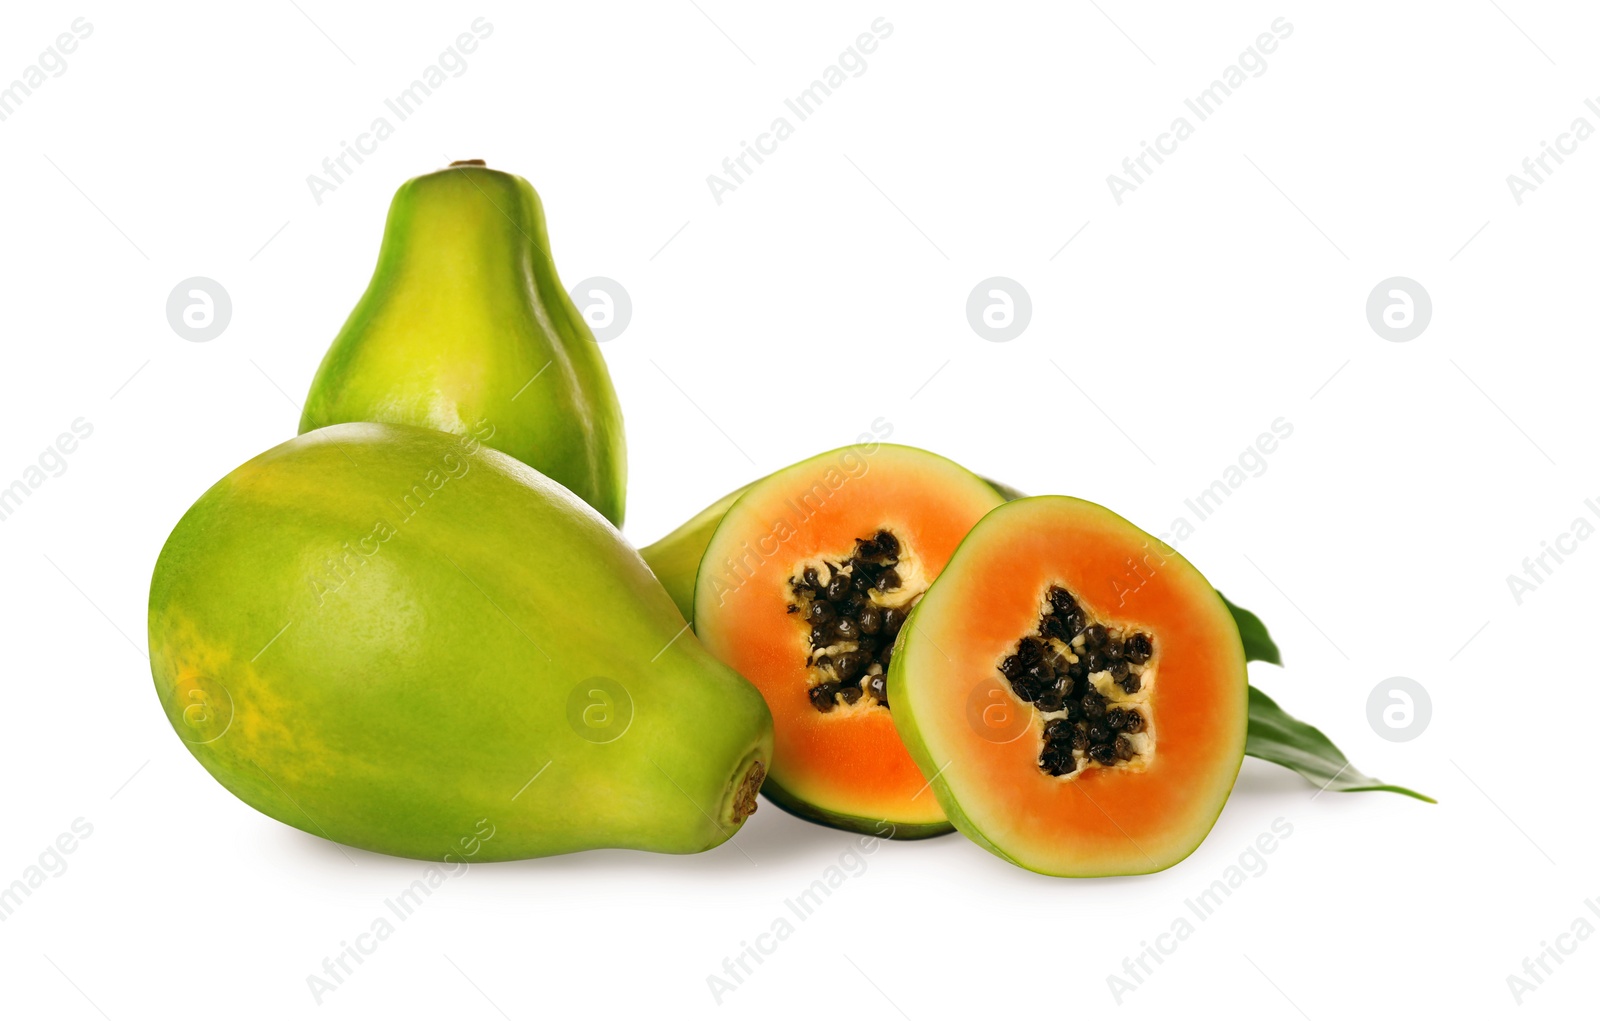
[{"x": 229, "y": 712}]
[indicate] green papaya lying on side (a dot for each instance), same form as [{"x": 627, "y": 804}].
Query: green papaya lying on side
[{"x": 400, "y": 639}]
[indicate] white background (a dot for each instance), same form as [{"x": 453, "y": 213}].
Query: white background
[{"x": 827, "y": 291}]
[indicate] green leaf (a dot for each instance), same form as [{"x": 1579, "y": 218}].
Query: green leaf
[
  {"x": 1278, "y": 737},
  {"x": 1257, "y": 643}
]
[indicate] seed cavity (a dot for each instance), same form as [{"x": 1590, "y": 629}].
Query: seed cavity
[
  {"x": 1090, "y": 683},
  {"x": 852, "y": 606}
]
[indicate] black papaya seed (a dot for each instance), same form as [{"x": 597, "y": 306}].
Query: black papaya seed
[
  {"x": 1070, "y": 692},
  {"x": 893, "y": 619},
  {"x": 821, "y": 695},
  {"x": 819, "y": 613},
  {"x": 1138, "y": 648},
  {"x": 848, "y": 666},
  {"x": 889, "y": 580},
  {"x": 887, "y": 542},
  {"x": 870, "y": 618},
  {"x": 1050, "y": 699},
  {"x": 838, "y": 587},
  {"x": 1057, "y": 760}
]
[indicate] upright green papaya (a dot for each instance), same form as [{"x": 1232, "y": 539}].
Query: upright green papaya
[
  {"x": 408, "y": 642},
  {"x": 466, "y": 328}
]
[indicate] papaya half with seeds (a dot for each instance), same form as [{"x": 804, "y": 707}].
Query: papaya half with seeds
[
  {"x": 1071, "y": 719},
  {"x": 465, "y": 328},
  {"x": 806, "y": 579},
  {"x": 400, "y": 639}
]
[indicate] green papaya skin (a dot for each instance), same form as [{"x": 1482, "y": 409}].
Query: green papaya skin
[
  {"x": 675, "y": 557},
  {"x": 800, "y": 808},
  {"x": 408, "y": 642},
  {"x": 465, "y": 323}
]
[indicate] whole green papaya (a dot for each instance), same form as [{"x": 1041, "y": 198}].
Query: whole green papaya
[
  {"x": 402, "y": 640},
  {"x": 465, "y": 323}
]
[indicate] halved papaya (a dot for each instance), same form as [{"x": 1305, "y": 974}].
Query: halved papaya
[
  {"x": 1074, "y": 690},
  {"x": 805, "y": 583}
]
